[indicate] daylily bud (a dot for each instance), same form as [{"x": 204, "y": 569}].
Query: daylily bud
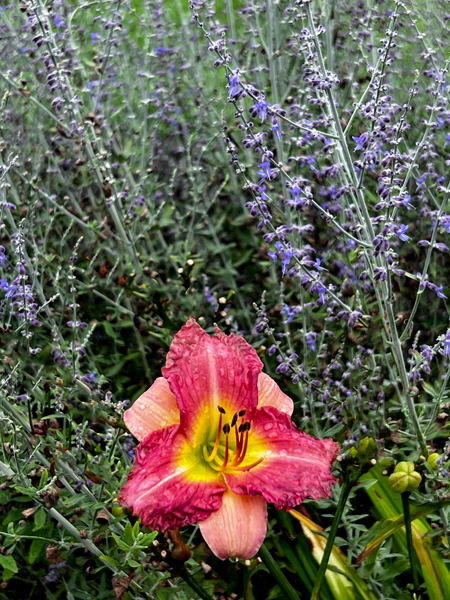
[
  {"x": 404, "y": 478},
  {"x": 365, "y": 451},
  {"x": 431, "y": 460},
  {"x": 116, "y": 509},
  {"x": 361, "y": 458}
]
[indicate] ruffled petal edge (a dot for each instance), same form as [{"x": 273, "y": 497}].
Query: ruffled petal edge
[
  {"x": 294, "y": 466},
  {"x": 205, "y": 372},
  {"x": 166, "y": 489}
]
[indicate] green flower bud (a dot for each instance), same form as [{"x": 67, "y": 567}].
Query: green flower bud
[
  {"x": 116, "y": 509},
  {"x": 361, "y": 458},
  {"x": 365, "y": 451},
  {"x": 431, "y": 460},
  {"x": 404, "y": 478}
]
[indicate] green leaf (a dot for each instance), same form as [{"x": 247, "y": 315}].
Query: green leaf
[
  {"x": 8, "y": 563},
  {"x": 43, "y": 480},
  {"x": 435, "y": 571},
  {"x": 35, "y": 550},
  {"x": 387, "y": 527},
  {"x": 115, "y": 369},
  {"x": 332, "y": 431},
  {"x": 135, "y": 531},
  {"x": 299, "y": 565},
  {"x": 397, "y": 568},
  {"x": 122, "y": 545},
  {"x": 7, "y": 574},
  {"x": 338, "y": 571},
  {"x": 110, "y": 560},
  {"x": 40, "y": 518},
  {"x": 372, "y": 559},
  {"x": 432, "y": 566},
  {"x": 133, "y": 564},
  {"x": 108, "y": 329},
  {"x": 429, "y": 389},
  {"x": 31, "y": 492},
  {"x": 411, "y": 276},
  {"x": 127, "y": 534},
  {"x": 343, "y": 581},
  {"x": 147, "y": 539}
]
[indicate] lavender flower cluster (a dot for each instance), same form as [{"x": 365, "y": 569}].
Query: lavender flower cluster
[
  {"x": 285, "y": 163},
  {"x": 336, "y": 189}
]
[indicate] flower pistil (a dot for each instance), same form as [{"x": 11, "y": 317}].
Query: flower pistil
[{"x": 221, "y": 458}]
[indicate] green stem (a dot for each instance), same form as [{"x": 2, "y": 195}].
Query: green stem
[
  {"x": 26, "y": 537},
  {"x": 140, "y": 344},
  {"x": 349, "y": 482},
  {"x": 194, "y": 585},
  {"x": 275, "y": 571},
  {"x": 409, "y": 541}
]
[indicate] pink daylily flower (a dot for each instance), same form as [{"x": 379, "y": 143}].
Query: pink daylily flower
[{"x": 218, "y": 444}]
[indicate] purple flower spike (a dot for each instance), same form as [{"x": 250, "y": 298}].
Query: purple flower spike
[
  {"x": 9, "y": 289},
  {"x": 361, "y": 141},
  {"x": 406, "y": 202},
  {"x": 317, "y": 265},
  {"x": 446, "y": 344},
  {"x": 276, "y": 128},
  {"x": 311, "y": 338},
  {"x": 439, "y": 292},
  {"x": 261, "y": 107},
  {"x": 264, "y": 170},
  {"x": 262, "y": 191},
  {"x": 401, "y": 232},
  {"x": 234, "y": 83},
  {"x": 322, "y": 296}
]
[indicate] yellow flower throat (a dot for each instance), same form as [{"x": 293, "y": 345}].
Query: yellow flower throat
[{"x": 220, "y": 454}]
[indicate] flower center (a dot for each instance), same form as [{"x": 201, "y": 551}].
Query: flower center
[{"x": 224, "y": 454}]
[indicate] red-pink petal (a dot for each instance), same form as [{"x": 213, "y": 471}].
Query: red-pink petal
[
  {"x": 238, "y": 528},
  {"x": 205, "y": 371},
  {"x": 269, "y": 394},
  {"x": 163, "y": 489},
  {"x": 155, "y": 409},
  {"x": 295, "y": 465}
]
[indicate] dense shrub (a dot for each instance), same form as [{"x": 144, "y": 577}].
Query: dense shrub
[{"x": 276, "y": 169}]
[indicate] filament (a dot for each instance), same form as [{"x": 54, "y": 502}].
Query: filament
[
  {"x": 242, "y": 433},
  {"x": 213, "y": 454}
]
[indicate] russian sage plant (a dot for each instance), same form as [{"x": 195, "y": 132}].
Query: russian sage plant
[{"x": 274, "y": 169}]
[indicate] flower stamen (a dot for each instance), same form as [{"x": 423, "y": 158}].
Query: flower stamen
[
  {"x": 239, "y": 432},
  {"x": 213, "y": 454},
  {"x": 242, "y": 432},
  {"x": 226, "y": 430},
  {"x": 236, "y": 433},
  {"x": 248, "y": 467},
  {"x": 245, "y": 431}
]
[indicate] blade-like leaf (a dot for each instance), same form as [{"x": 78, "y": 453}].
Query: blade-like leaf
[
  {"x": 432, "y": 566},
  {"x": 389, "y": 526},
  {"x": 344, "y": 582}
]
